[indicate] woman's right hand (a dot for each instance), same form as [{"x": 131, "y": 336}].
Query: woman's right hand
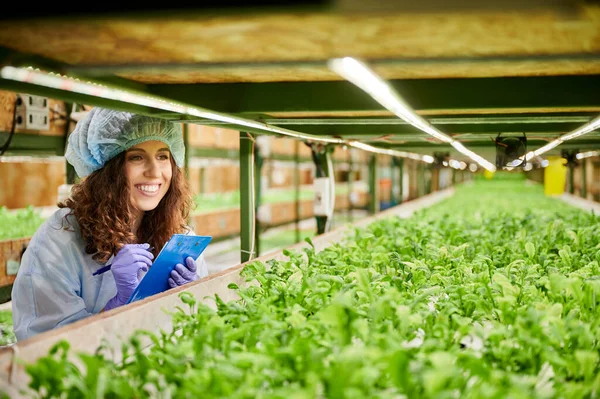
[{"x": 125, "y": 268}]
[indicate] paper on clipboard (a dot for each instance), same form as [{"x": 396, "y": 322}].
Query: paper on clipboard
[{"x": 179, "y": 247}]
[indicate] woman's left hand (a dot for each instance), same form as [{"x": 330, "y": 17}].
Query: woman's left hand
[{"x": 184, "y": 274}]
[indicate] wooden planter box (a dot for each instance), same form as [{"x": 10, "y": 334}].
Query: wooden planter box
[
  {"x": 306, "y": 209},
  {"x": 283, "y": 212},
  {"x": 218, "y": 223},
  {"x": 151, "y": 314},
  {"x": 10, "y": 259},
  {"x": 342, "y": 201},
  {"x": 211, "y": 136},
  {"x": 283, "y": 146}
]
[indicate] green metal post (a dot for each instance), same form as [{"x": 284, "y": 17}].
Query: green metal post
[
  {"x": 186, "y": 159},
  {"x": 350, "y": 186},
  {"x": 246, "y": 219},
  {"x": 392, "y": 172},
  {"x": 400, "y": 163},
  {"x": 297, "y": 189},
  {"x": 571, "y": 180},
  {"x": 258, "y": 164},
  {"x": 71, "y": 176},
  {"x": 186, "y": 143},
  {"x": 435, "y": 172},
  {"x": 430, "y": 175},
  {"x": 584, "y": 179},
  {"x": 421, "y": 183},
  {"x": 571, "y": 161},
  {"x": 374, "y": 200}
]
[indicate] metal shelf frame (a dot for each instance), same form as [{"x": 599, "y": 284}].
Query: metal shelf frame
[{"x": 470, "y": 104}]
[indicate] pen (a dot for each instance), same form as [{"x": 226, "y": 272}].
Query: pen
[{"x": 106, "y": 268}]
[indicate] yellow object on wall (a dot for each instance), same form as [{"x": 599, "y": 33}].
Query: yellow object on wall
[
  {"x": 555, "y": 176},
  {"x": 488, "y": 175}
]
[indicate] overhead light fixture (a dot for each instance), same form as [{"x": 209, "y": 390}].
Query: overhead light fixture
[
  {"x": 473, "y": 167},
  {"x": 480, "y": 160},
  {"x": 394, "y": 153},
  {"x": 65, "y": 83},
  {"x": 585, "y": 129},
  {"x": 587, "y": 154},
  {"x": 359, "y": 74},
  {"x": 458, "y": 165},
  {"x": 514, "y": 163},
  {"x": 428, "y": 158},
  {"x": 541, "y": 150}
]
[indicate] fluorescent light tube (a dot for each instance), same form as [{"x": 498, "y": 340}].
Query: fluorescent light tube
[
  {"x": 56, "y": 81},
  {"x": 359, "y": 74}
]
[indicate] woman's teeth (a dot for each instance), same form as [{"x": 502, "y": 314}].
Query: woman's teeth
[{"x": 148, "y": 189}]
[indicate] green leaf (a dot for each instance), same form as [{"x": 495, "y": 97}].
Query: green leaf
[
  {"x": 530, "y": 249},
  {"x": 441, "y": 304},
  {"x": 565, "y": 256}
]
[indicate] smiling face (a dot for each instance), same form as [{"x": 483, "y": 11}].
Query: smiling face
[{"x": 149, "y": 171}]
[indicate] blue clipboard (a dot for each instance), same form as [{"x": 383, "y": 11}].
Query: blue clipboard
[{"x": 179, "y": 247}]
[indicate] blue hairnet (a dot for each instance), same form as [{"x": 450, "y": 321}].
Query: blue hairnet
[{"x": 103, "y": 134}]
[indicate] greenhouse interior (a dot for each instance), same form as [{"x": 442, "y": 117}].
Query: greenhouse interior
[{"x": 304, "y": 199}]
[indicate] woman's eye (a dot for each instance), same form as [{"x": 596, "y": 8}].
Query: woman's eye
[
  {"x": 135, "y": 158},
  {"x": 163, "y": 157}
]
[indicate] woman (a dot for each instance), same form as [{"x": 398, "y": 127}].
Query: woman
[{"x": 133, "y": 197}]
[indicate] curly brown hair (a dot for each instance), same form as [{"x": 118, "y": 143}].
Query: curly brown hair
[{"x": 101, "y": 204}]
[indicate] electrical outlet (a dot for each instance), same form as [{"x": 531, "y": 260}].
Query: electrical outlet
[
  {"x": 33, "y": 102},
  {"x": 37, "y": 120},
  {"x": 32, "y": 113},
  {"x": 37, "y": 102}
]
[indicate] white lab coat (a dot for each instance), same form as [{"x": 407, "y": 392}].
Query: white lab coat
[{"x": 55, "y": 285}]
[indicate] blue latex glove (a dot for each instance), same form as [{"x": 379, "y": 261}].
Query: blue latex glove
[
  {"x": 125, "y": 268},
  {"x": 184, "y": 274}
]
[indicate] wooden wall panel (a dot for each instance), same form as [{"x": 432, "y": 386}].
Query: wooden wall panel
[{"x": 30, "y": 183}]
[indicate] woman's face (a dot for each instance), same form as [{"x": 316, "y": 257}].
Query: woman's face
[{"x": 148, "y": 170}]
